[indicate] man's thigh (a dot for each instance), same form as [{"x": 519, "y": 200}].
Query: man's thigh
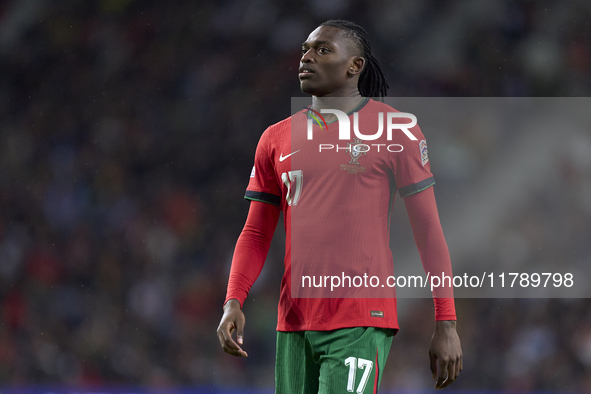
[
  {"x": 296, "y": 371},
  {"x": 353, "y": 359},
  {"x": 327, "y": 362}
]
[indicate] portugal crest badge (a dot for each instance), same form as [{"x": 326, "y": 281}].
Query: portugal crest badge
[{"x": 355, "y": 151}]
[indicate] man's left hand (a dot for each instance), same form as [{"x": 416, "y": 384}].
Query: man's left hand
[{"x": 445, "y": 354}]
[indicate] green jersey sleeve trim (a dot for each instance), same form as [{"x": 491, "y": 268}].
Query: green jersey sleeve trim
[
  {"x": 416, "y": 187},
  {"x": 263, "y": 197}
]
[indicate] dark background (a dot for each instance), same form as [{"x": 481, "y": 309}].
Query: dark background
[{"x": 127, "y": 136}]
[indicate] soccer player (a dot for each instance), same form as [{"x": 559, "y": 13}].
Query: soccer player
[{"x": 336, "y": 206}]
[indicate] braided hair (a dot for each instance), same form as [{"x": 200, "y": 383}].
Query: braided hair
[{"x": 372, "y": 82}]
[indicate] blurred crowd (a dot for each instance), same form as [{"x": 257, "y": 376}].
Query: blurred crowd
[{"x": 127, "y": 136}]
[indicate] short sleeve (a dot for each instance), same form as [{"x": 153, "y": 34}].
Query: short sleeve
[
  {"x": 263, "y": 184},
  {"x": 412, "y": 170}
]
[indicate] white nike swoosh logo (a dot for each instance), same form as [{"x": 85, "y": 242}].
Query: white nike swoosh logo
[{"x": 281, "y": 157}]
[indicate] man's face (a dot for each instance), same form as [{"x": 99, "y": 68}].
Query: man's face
[{"x": 327, "y": 58}]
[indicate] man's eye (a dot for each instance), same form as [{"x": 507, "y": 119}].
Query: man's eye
[
  {"x": 304, "y": 50},
  {"x": 322, "y": 50}
]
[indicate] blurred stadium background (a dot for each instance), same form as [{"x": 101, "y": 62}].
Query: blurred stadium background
[{"x": 127, "y": 136}]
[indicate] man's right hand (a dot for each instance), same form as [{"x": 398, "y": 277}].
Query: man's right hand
[{"x": 232, "y": 320}]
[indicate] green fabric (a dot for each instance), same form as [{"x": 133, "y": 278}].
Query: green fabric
[{"x": 331, "y": 362}]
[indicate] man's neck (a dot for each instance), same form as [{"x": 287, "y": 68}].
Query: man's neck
[{"x": 344, "y": 104}]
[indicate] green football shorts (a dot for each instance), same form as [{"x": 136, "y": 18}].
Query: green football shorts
[{"x": 348, "y": 360}]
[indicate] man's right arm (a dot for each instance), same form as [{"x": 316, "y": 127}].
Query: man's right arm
[{"x": 249, "y": 257}]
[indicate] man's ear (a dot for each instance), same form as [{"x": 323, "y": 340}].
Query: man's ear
[{"x": 356, "y": 67}]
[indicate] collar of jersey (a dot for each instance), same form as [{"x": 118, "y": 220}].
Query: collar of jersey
[{"x": 359, "y": 106}]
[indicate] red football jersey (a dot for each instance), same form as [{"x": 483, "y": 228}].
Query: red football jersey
[{"x": 336, "y": 196}]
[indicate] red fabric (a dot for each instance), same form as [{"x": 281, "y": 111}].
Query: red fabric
[
  {"x": 338, "y": 221},
  {"x": 376, "y": 381},
  {"x": 251, "y": 249},
  {"x": 320, "y": 239},
  {"x": 424, "y": 219}
]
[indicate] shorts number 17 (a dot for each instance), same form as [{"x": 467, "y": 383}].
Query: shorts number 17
[{"x": 355, "y": 363}]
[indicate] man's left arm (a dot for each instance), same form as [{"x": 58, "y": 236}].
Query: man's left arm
[{"x": 445, "y": 353}]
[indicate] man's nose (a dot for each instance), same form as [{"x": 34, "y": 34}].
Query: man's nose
[{"x": 307, "y": 56}]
